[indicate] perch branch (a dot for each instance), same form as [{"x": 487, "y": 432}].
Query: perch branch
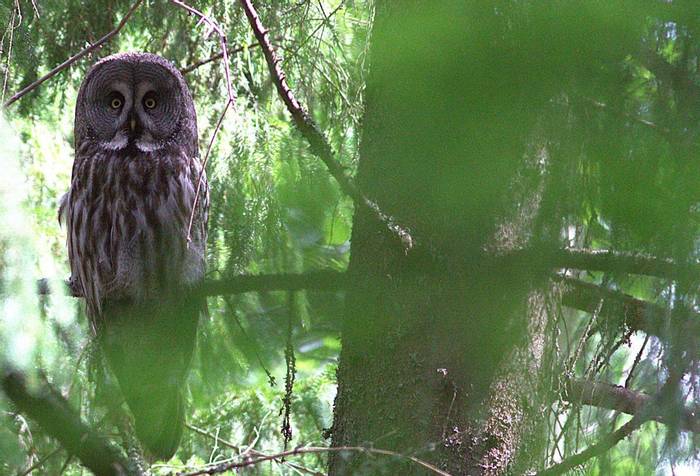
[
  {"x": 222, "y": 468},
  {"x": 615, "y": 397},
  {"x": 316, "y": 280},
  {"x": 53, "y": 413},
  {"x": 308, "y": 128},
  {"x": 319, "y": 280},
  {"x": 75, "y": 57}
]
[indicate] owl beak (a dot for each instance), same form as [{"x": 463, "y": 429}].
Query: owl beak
[{"x": 134, "y": 125}]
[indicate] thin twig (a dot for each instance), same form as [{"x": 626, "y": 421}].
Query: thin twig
[
  {"x": 250, "y": 450},
  {"x": 41, "y": 462},
  {"x": 75, "y": 57},
  {"x": 308, "y": 128},
  {"x": 637, "y": 359},
  {"x": 314, "y": 449},
  {"x": 652, "y": 125},
  {"x": 231, "y": 51},
  {"x": 11, "y": 27},
  {"x": 641, "y": 416},
  {"x": 603, "y": 445},
  {"x": 213, "y": 26},
  {"x": 200, "y": 180}
]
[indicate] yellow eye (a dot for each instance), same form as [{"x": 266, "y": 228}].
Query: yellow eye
[
  {"x": 115, "y": 103},
  {"x": 149, "y": 103}
]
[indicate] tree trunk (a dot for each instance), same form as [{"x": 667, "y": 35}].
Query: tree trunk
[{"x": 442, "y": 344}]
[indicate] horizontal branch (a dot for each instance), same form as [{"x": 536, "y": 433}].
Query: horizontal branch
[
  {"x": 581, "y": 295},
  {"x": 252, "y": 451},
  {"x": 75, "y": 57},
  {"x": 231, "y": 51},
  {"x": 315, "y": 280},
  {"x": 621, "y": 308},
  {"x": 53, "y": 413},
  {"x": 318, "y": 280},
  {"x": 610, "y": 261},
  {"x": 226, "y": 467},
  {"x": 621, "y": 399},
  {"x": 601, "y": 446},
  {"x": 636, "y": 314}
]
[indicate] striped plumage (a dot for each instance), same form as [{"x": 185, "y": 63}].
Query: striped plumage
[{"x": 127, "y": 215}]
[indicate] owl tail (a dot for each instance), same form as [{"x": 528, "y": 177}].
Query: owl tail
[
  {"x": 159, "y": 425},
  {"x": 149, "y": 349}
]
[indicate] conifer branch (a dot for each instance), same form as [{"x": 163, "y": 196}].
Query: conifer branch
[
  {"x": 621, "y": 399},
  {"x": 611, "y": 261},
  {"x": 623, "y": 309},
  {"x": 308, "y": 128},
  {"x": 318, "y": 280},
  {"x": 605, "y": 443},
  {"x": 231, "y": 100},
  {"x": 53, "y": 413},
  {"x": 75, "y": 57},
  {"x": 226, "y": 467},
  {"x": 231, "y": 51}
]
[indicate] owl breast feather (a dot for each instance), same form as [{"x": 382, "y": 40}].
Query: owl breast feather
[{"x": 127, "y": 220}]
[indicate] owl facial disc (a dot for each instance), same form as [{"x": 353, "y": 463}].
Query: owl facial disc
[{"x": 135, "y": 102}]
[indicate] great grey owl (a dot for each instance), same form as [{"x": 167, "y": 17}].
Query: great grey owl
[{"x": 133, "y": 254}]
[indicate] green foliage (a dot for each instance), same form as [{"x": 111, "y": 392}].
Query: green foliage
[
  {"x": 602, "y": 97},
  {"x": 274, "y": 209}
]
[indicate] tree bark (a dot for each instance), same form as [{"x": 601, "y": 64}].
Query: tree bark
[{"x": 442, "y": 348}]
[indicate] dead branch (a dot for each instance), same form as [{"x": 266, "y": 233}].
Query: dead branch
[
  {"x": 308, "y": 128},
  {"x": 222, "y": 468},
  {"x": 621, "y": 399},
  {"x": 53, "y": 413},
  {"x": 75, "y": 57}
]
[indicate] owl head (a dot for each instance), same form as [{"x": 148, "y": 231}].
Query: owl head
[{"x": 137, "y": 102}]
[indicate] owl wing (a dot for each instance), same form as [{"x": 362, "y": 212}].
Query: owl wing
[{"x": 87, "y": 276}]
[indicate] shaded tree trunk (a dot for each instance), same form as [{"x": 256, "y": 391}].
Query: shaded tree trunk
[{"x": 442, "y": 345}]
